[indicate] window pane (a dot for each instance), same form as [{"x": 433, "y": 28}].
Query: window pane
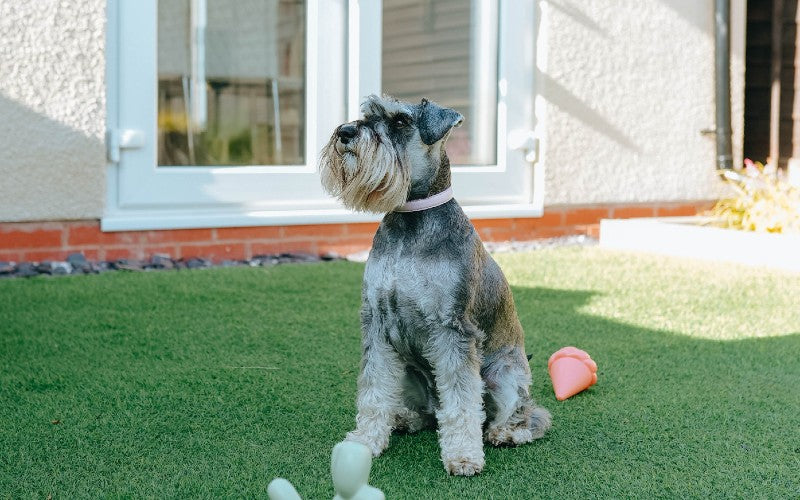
[
  {"x": 231, "y": 82},
  {"x": 446, "y": 50}
]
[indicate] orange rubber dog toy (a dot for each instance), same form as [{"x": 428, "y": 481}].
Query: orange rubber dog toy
[{"x": 572, "y": 371}]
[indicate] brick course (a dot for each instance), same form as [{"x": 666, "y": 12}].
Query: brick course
[{"x": 54, "y": 240}]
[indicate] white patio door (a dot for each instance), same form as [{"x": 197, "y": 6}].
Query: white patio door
[
  {"x": 218, "y": 108},
  {"x": 475, "y": 56}
]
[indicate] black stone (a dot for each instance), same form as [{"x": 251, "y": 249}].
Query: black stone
[
  {"x": 286, "y": 258},
  {"x": 233, "y": 263},
  {"x": 77, "y": 259},
  {"x": 161, "y": 261},
  {"x": 265, "y": 260},
  {"x": 26, "y": 270},
  {"x": 7, "y": 267},
  {"x": 128, "y": 265},
  {"x": 80, "y": 264},
  {"x": 60, "y": 268},
  {"x": 44, "y": 267},
  {"x": 119, "y": 262},
  {"x": 102, "y": 267},
  {"x": 198, "y": 263}
]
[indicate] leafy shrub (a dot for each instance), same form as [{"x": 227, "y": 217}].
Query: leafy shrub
[{"x": 762, "y": 201}]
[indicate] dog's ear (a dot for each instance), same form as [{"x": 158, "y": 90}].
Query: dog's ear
[{"x": 435, "y": 122}]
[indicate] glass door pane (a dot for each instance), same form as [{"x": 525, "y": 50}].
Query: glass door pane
[
  {"x": 231, "y": 82},
  {"x": 241, "y": 172},
  {"x": 446, "y": 50}
]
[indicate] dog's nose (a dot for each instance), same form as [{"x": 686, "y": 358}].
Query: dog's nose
[{"x": 347, "y": 132}]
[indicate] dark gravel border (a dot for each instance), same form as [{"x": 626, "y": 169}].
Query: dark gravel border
[{"x": 77, "y": 263}]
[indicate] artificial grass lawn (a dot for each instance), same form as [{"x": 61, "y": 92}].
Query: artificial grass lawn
[{"x": 211, "y": 383}]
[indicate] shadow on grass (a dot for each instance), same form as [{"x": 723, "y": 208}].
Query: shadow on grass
[
  {"x": 670, "y": 415},
  {"x": 212, "y": 383}
]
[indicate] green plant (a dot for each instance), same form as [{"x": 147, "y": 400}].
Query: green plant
[
  {"x": 169, "y": 121},
  {"x": 762, "y": 201}
]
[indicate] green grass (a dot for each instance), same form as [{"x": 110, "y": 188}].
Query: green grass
[{"x": 211, "y": 383}]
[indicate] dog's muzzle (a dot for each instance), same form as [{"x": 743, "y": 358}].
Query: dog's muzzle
[
  {"x": 346, "y": 133},
  {"x": 363, "y": 170}
]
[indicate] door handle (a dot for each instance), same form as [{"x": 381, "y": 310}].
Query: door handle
[
  {"x": 119, "y": 139},
  {"x": 525, "y": 141}
]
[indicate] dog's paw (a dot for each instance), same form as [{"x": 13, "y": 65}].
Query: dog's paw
[
  {"x": 411, "y": 421},
  {"x": 376, "y": 446},
  {"x": 505, "y": 436},
  {"x": 462, "y": 466},
  {"x": 540, "y": 422}
]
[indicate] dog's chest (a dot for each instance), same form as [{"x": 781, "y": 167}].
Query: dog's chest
[{"x": 410, "y": 296}]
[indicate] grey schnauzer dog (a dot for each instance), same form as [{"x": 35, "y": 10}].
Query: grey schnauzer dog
[{"x": 441, "y": 341}]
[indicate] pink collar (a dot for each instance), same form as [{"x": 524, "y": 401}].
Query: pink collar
[{"x": 426, "y": 203}]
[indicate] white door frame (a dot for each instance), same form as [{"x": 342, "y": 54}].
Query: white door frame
[{"x": 144, "y": 196}]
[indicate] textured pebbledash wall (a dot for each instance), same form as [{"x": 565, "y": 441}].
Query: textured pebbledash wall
[
  {"x": 52, "y": 109},
  {"x": 623, "y": 90}
]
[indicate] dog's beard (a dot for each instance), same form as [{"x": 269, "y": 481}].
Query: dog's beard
[{"x": 365, "y": 175}]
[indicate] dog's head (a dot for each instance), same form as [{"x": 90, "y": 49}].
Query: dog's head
[{"x": 397, "y": 148}]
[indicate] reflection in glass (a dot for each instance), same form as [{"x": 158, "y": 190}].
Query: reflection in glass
[
  {"x": 446, "y": 50},
  {"x": 231, "y": 82}
]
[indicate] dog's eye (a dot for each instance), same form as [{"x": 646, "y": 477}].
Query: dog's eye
[{"x": 401, "y": 121}]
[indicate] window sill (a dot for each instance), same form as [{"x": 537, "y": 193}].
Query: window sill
[{"x": 153, "y": 220}]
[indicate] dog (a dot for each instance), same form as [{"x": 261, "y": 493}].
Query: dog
[{"x": 441, "y": 340}]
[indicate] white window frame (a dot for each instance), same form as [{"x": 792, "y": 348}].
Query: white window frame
[{"x": 144, "y": 196}]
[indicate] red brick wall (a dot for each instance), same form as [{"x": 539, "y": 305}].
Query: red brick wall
[{"x": 37, "y": 241}]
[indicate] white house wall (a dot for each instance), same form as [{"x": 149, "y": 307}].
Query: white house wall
[
  {"x": 624, "y": 89},
  {"x": 52, "y": 109}
]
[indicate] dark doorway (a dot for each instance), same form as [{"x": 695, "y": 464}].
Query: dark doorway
[{"x": 759, "y": 60}]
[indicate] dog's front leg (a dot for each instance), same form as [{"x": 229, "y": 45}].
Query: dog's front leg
[
  {"x": 380, "y": 391},
  {"x": 460, "y": 414}
]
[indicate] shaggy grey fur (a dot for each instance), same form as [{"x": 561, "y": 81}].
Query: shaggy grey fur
[{"x": 441, "y": 340}]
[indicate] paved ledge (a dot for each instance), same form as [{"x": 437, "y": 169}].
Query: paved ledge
[{"x": 692, "y": 237}]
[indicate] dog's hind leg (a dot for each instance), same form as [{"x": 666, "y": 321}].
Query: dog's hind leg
[
  {"x": 420, "y": 402},
  {"x": 513, "y": 419}
]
